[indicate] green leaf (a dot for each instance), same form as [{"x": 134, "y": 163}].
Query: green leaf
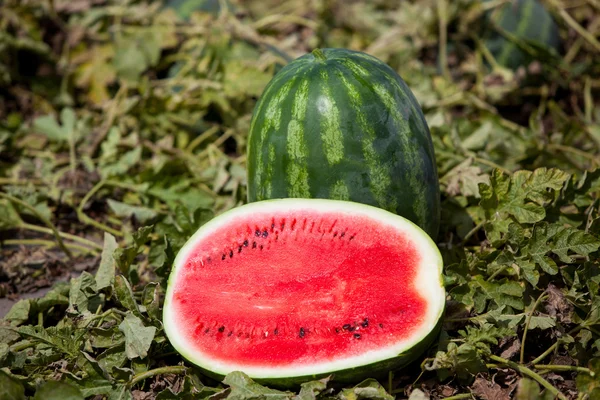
[
  {"x": 105, "y": 276},
  {"x": 125, "y": 295},
  {"x": 10, "y": 389},
  {"x": 310, "y": 390},
  {"x": 138, "y": 338},
  {"x": 151, "y": 300},
  {"x": 50, "y": 127},
  {"x": 503, "y": 293},
  {"x": 481, "y": 338},
  {"x": 367, "y": 389},
  {"x": 18, "y": 313},
  {"x": 244, "y": 388},
  {"x": 57, "y": 391},
  {"x": 83, "y": 289},
  {"x": 528, "y": 389},
  {"x": 9, "y": 217},
  {"x": 61, "y": 339},
  {"x": 463, "y": 361},
  {"x": 123, "y": 210},
  {"x": 125, "y": 256},
  {"x": 522, "y": 196},
  {"x": 587, "y": 383},
  {"x": 541, "y": 322}
]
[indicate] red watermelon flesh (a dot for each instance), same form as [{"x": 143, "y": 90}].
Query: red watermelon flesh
[{"x": 297, "y": 288}]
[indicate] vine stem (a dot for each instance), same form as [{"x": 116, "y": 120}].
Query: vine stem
[
  {"x": 47, "y": 243},
  {"x": 473, "y": 231},
  {"x": 177, "y": 369},
  {"x": 83, "y": 217},
  {"x": 569, "y": 149},
  {"x": 527, "y": 321},
  {"x": 574, "y": 24},
  {"x": 527, "y": 372},
  {"x": 550, "y": 367},
  {"x": 459, "y": 396},
  {"x": 46, "y": 221},
  {"x": 64, "y": 235}
]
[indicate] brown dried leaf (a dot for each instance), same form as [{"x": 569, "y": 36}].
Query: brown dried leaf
[
  {"x": 557, "y": 305},
  {"x": 489, "y": 390}
]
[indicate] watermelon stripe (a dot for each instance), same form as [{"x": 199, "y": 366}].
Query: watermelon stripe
[
  {"x": 340, "y": 191},
  {"x": 414, "y": 178},
  {"x": 330, "y": 124},
  {"x": 297, "y": 150},
  {"x": 272, "y": 122},
  {"x": 268, "y": 188},
  {"x": 380, "y": 176}
]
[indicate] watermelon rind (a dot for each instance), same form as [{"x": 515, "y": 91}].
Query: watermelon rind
[
  {"x": 341, "y": 124},
  {"x": 372, "y": 364},
  {"x": 512, "y": 27}
]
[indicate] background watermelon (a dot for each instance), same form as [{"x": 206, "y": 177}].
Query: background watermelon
[
  {"x": 517, "y": 29},
  {"x": 343, "y": 125}
]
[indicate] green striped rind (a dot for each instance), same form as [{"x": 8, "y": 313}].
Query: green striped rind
[
  {"x": 346, "y": 127},
  {"x": 516, "y": 21}
]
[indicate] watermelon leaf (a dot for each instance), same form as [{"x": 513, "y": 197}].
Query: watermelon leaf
[
  {"x": 138, "y": 338},
  {"x": 244, "y": 388}
]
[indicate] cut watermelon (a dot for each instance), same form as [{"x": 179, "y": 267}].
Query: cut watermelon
[{"x": 292, "y": 289}]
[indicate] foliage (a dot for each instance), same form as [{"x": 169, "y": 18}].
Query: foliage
[{"x": 123, "y": 129}]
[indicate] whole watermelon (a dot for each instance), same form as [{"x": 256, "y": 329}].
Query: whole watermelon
[
  {"x": 513, "y": 25},
  {"x": 343, "y": 125}
]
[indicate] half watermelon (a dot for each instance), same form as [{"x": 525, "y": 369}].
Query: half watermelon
[{"x": 292, "y": 289}]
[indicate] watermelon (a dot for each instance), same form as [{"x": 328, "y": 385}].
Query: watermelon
[
  {"x": 340, "y": 124},
  {"x": 517, "y": 28},
  {"x": 294, "y": 289}
]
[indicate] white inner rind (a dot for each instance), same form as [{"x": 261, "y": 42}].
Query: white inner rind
[{"x": 428, "y": 282}]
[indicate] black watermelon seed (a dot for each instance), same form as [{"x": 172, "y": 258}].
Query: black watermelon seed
[
  {"x": 257, "y": 233},
  {"x": 230, "y": 333},
  {"x": 230, "y": 253},
  {"x": 265, "y": 233},
  {"x": 357, "y": 336},
  {"x": 365, "y": 323},
  {"x": 223, "y": 256},
  {"x": 342, "y": 234},
  {"x": 261, "y": 247},
  {"x": 245, "y": 243},
  {"x": 240, "y": 249},
  {"x": 276, "y": 331},
  {"x": 337, "y": 330},
  {"x": 347, "y": 327},
  {"x": 381, "y": 325},
  {"x": 302, "y": 333},
  {"x": 222, "y": 329},
  {"x": 253, "y": 245}
]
